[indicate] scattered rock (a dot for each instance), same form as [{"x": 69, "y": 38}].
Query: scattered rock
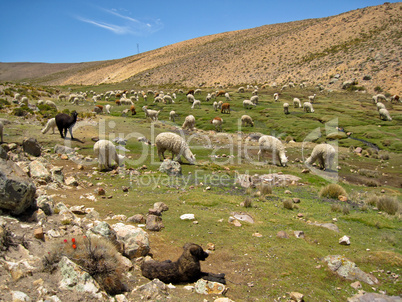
[
  {"x": 31, "y": 146},
  {"x": 296, "y": 200},
  {"x": 329, "y": 226},
  {"x": 60, "y": 149},
  {"x": 295, "y": 296},
  {"x": 356, "y": 285},
  {"x": 243, "y": 217},
  {"x": 187, "y": 217},
  {"x": 369, "y": 297},
  {"x": 134, "y": 239},
  {"x": 170, "y": 167},
  {"x": 282, "y": 234},
  {"x": 348, "y": 269},
  {"x": 155, "y": 290},
  {"x": 345, "y": 240},
  {"x": 39, "y": 234},
  {"x": 206, "y": 287},
  {"x": 137, "y": 218},
  {"x": 154, "y": 223},
  {"x": 299, "y": 234},
  {"x": 17, "y": 192}
]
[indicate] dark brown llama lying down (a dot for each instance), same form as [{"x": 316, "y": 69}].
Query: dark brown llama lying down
[{"x": 186, "y": 269}]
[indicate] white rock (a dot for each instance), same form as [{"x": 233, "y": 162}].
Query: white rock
[
  {"x": 187, "y": 217},
  {"x": 345, "y": 240}
]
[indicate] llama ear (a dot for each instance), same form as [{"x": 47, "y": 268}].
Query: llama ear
[{"x": 194, "y": 155}]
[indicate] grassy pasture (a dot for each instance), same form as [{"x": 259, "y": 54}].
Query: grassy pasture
[{"x": 257, "y": 268}]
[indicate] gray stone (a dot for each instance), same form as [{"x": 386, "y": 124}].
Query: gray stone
[
  {"x": 60, "y": 149},
  {"x": 3, "y": 152},
  {"x": 74, "y": 278},
  {"x": 160, "y": 206},
  {"x": 134, "y": 239},
  {"x": 31, "y": 146},
  {"x": 170, "y": 167},
  {"x": 370, "y": 297},
  {"x": 17, "y": 192},
  {"x": 38, "y": 170},
  {"x": 155, "y": 290},
  {"x": 46, "y": 204},
  {"x": 348, "y": 269},
  {"x": 57, "y": 174},
  {"x": 206, "y": 287},
  {"x": 137, "y": 218}
]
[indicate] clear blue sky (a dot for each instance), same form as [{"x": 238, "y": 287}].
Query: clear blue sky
[{"x": 72, "y": 31}]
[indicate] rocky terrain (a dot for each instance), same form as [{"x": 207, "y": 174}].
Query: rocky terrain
[{"x": 364, "y": 44}]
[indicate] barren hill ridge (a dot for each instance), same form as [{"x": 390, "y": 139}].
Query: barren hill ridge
[{"x": 363, "y": 43}]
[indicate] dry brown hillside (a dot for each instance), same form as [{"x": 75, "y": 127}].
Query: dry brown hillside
[{"x": 359, "y": 43}]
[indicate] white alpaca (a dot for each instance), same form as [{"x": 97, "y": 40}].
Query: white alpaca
[
  {"x": 168, "y": 141},
  {"x": 311, "y": 98},
  {"x": 248, "y": 104},
  {"x": 152, "y": 114},
  {"x": 172, "y": 115},
  {"x": 286, "y": 108},
  {"x": 276, "y": 96},
  {"x": 247, "y": 120},
  {"x": 196, "y": 103},
  {"x": 189, "y": 122},
  {"x": 325, "y": 154},
  {"x": 254, "y": 99},
  {"x": 107, "y": 108},
  {"x": 307, "y": 107},
  {"x": 106, "y": 153},
  {"x": 296, "y": 103},
  {"x": 384, "y": 115},
  {"x": 51, "y": 123},
  {"x": 270, "y": 143}
]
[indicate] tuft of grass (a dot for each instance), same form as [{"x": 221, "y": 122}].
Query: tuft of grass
[
  {"x": 247, "y": 203},
  {"x": 336, "y": 207},
  {"x": 388, "y": 204},
  {"x": 332, "y": 191},
  {"x": 288, "y": 204},
  {"x": 95, "y": 255},
  {"x": 372, "y": 200},
  {"x": 265, "y": 189}
]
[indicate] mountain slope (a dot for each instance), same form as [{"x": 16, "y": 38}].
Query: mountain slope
[{"x": 363, "y": 42}]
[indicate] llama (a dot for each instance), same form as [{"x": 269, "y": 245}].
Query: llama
[{"x": 64, "y": 122}]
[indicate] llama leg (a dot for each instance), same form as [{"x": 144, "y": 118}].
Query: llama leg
[
  {"x": 71, "y": 132},
  {"x": 61, "y": 131}
]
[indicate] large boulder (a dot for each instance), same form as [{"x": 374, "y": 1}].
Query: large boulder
[
  {"x": 31, "y": 146},
  {"x": 135, "y": 240},
  {"x": 348, "y": 269},
  {"x": 17, "y": 192}
]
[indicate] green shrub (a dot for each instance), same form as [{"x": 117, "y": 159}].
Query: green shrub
[
  {"x": 388, "y": 204},
  {"x": 332, "y": 191},
  {"x": 378, "y": 89}
]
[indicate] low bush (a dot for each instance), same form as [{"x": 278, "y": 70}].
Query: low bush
[
  {"x": 332, "y": 191},
  {"x": 388, "y": 204},
  {"x": 95, "y": 255}
]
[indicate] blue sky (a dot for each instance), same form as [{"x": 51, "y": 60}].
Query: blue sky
[{"x": 72, "y": 31}]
